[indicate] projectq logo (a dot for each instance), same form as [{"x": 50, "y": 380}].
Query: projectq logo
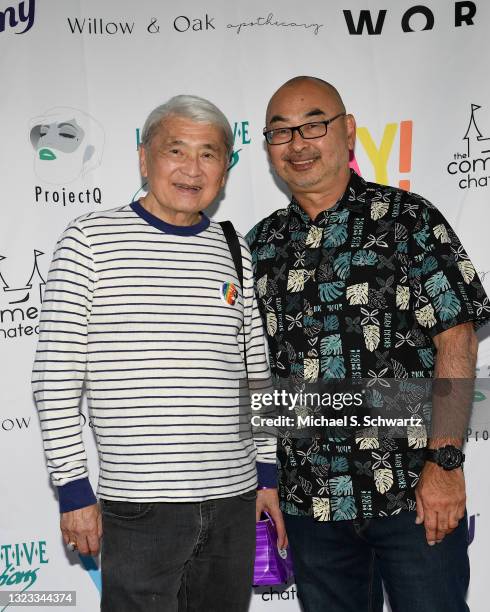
[
  {"x": 469, "y": 165},
  {"x": 20, "y": 301},
  {"x": 20, "y": 14},
  {"x": 68, "y": 143},
  {"x": 20, "y": 564},
  {"x": 394, "y": 146}
]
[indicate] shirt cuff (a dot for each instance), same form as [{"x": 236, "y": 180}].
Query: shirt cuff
[
  {"x": 267, "y": 475},
  {"x": 75, "y": 495}
]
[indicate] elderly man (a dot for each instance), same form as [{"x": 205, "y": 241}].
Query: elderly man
[
  {"x": 144, "y": 302},
  {"x": 362, "y": 281}
]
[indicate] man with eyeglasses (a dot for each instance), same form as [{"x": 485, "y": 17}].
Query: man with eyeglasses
[{"x": 364, "y": 282}]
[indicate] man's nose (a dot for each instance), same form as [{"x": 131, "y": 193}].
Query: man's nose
[
  {"x": 191, "y": 166},
  {"x": 298, "y": 142}
]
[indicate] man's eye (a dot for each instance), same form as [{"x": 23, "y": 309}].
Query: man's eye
[
  {"x": 281, "y": 131},
  {"x": 208, "y": 155},
  {"x": 314, "y": 128}
]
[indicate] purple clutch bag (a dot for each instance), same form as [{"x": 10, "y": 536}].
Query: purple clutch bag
[{"x": 272, "y": 566}]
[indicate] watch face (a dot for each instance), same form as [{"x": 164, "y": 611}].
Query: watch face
[{"x": 450, "y": 457}]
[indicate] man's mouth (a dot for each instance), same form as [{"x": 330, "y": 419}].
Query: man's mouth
[
  {"x": 188, "y": 188},
  {"x": 302, "y": 164}
]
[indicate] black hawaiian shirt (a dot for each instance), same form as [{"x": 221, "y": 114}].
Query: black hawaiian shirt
[{"x": 359, "y": 292}]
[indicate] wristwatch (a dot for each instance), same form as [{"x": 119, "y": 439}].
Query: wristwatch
[{"x": 448, "y": 457}]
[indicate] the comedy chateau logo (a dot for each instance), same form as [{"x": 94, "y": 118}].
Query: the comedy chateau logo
[
  {"x": 18, "y": 17},
  {"x": 469, "y": 164},
  {"x": 67, "y": 144},
  {"x": 20, "y": 565},
  {"x": 20, "y": 302}
]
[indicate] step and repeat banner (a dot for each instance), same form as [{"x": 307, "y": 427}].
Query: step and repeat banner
[{"x": 78, "y": 78}]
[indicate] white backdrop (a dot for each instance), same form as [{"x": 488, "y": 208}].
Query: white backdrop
[{"x": 422, "y": 104}]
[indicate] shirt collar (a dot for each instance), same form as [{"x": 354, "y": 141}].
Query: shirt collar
[
  {"x": 168, "y": 228},
  {"x": 353, "y": 198}
]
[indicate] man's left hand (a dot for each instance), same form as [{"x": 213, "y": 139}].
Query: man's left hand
[
  {"x": 441, "y": 501},
  {"x": 268, "y": 501}
]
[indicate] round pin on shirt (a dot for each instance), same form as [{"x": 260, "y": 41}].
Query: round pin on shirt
[{"x": 229, "y": 293}]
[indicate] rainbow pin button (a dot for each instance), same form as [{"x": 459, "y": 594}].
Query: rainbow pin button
[{"x": 229, "y": 293}]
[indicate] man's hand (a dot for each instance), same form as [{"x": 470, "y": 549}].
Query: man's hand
[
  {"x": 83, "y": 527},
  {"x": 441, "y": 501},
  {"x": 268, "y": 501}
]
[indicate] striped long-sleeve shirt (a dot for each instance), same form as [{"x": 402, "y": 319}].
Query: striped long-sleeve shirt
[{"x": 145, "y": 313}]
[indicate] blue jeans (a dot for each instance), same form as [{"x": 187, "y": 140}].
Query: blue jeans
[
  {"x": 340, "y": 566},
  {"x": 185, "y": 557}
]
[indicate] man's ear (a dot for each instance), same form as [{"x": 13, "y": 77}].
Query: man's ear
[
  {"x": 142, "y": 158},
  {"x": 350, "y": 123}
]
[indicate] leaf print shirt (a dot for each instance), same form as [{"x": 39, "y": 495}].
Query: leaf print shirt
[{"x": 358, "y": 292}]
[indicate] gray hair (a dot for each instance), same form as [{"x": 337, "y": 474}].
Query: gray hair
[{"x": 192, "y": 107}]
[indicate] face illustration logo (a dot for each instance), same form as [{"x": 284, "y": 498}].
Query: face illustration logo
[
  {"x": 472, "y": 161},
  {"x": 19, "y": 305},
  {"x": 20, "y": 564},
  {"x": 229, "y": 293},
  {"x": 68, "y": 143},
  {"x": 380, "y": 155}
]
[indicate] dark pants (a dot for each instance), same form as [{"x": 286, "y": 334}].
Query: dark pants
[
  {"x": 185, "y": 557},
  {"x": 339, "y": 566}
]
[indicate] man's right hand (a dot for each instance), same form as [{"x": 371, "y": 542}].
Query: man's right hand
[{"x": 83, "y": 527}]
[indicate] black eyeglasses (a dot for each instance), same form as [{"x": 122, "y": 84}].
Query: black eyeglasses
[{"x": 313, "y": 129}]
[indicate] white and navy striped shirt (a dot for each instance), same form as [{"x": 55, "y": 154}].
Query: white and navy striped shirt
[{"x": 141, "y": 311}]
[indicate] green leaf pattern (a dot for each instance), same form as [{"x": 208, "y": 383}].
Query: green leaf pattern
[{"x": 359, "y": 292}]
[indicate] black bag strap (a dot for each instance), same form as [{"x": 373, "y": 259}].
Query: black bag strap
[
  {"x": 236, "y": 253},
  {"x": 234, "y": 246}
]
